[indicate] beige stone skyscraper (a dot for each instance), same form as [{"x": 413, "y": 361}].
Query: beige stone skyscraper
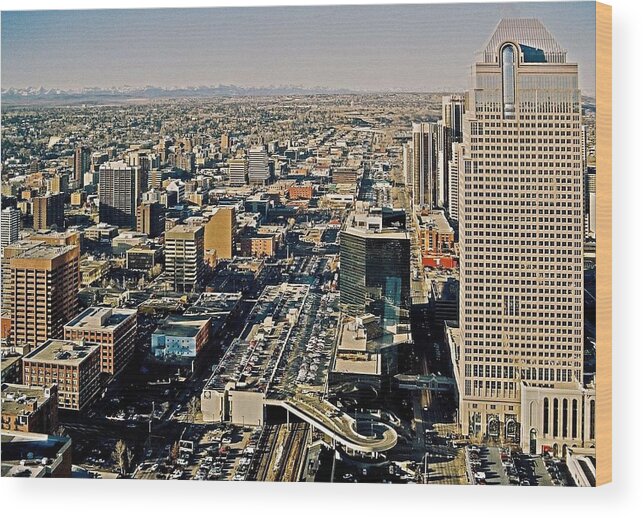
[{"x": 521, "y": 243}]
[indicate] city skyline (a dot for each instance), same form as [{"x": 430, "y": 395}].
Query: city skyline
[{"x": 357, "y": 48}]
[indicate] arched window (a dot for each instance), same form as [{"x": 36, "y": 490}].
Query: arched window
[
  {"x": 574, "y": 418},
  {"x": 555, "y": 427},
  {"x": 546, "y": 416},
  {"x": 509, "y": 81},
  {"x": 565, "y": 416}
]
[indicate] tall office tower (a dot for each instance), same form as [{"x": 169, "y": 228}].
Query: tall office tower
[
  {"x": 184, "y": 257},
  {"x": 150, "y": 218},
  {"x": 117, "y": 194},
  {"x": 425, "y": 164},
  {"x": 238, "y": 171},
  {"x": 219, "y": 232},
  {"x": 375, "y": 259},
  {"x": 590, "y": 201},
  {"x": 82, "y": 162},
  {"x": 584, "y": 146},
  {"x": 49, "y": 211},
  {"x": 407, "y": 163},
  {"x": 10, "y": 226},
  {"x": 258, "y": 169},
  {"x": 58, "y": 183},
  {"x": 455, "y": 164},
  {"x": 43, "y": 287},
  {"x": 519, "y": 355},
  {"x": 225, "y": 142},
  {"x": 452, "y": 114}
]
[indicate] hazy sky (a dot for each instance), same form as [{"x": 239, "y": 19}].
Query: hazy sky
[{"x": 406, "y": 47}]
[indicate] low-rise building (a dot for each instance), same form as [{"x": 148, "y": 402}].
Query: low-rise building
[
  {"x": 258, "y": 245},
  {"x": 74, "y": 366},
  {"x": 35, "y": 455},
  {"x": 29, "y": 409},
  {"x": 113, "y": 328},
  {"x": 143, "y": 258},
  {"x": 180, "y": 338}
]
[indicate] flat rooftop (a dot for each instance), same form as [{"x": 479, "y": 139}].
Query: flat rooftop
[
  {"x": 62, "y": 352},
  {"x": 251, "y": 360},
  {"x": 44, "y": 251},
  {"x": 437, "y": 219},
  {"x": 99, "y": 318},
  {"x": 185, "y": 325},
  {"x": 22, "y": 399}
]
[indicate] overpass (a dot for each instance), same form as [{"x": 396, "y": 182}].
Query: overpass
[{"x": 365, "y": 437}]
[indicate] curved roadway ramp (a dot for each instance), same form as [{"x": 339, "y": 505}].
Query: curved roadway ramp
[{"x": 366, "y": 437}]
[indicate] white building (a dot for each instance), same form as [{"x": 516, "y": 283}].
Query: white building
[
  {"x": 258, "y": 170},
  {"x": 521, "y": 230},
  {"x": 10, "y": 226},
  {"x": 238, "y": 171}
]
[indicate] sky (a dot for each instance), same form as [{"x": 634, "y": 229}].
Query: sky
[{"x": 419, "y": 48}]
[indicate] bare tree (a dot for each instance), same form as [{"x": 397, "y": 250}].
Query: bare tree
[
  {"x": 122, "y": 456},
  {"x": 193, "y": 409},
  {"x": 174, "y": 452}
]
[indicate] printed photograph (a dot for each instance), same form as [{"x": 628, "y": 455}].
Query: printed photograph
[{"x": 341, "y": 244}]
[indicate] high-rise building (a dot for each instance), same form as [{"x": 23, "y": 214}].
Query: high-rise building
[
  {"x": 518, "y": 352},
  {"x": 117, "y": 194},
  {"x": 59, "y": 183},
  {"x": 220, "y": 231},
  {"x": 43, "y": 282},
  {"x": 258, "y": 169},
  {"x": 590, "y": 201},
  {"x": 184, "y": 257},
  {"x": 455, "y": 164},
  {"x": 452, "y": 114},
  {"x": 225, "y": 142},
  {"x": 375, "y": 262},
  {"x": 238, "y": 171},
  {"x": 425, "y": 164},
  {"x": 82, "y": 162},
  {"x": 10, "y": 226},
  {"x": 49, "y": 211},
  {"x": 150, "y": 218}
]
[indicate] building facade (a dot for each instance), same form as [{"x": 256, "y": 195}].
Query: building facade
[
  {"x": 43, "y": 291},
  {"x": 521, "y": 230},
  {"x": 184, "y": 252},
  {"x": 117, "y": 193},
  {"x": 113, "y": 328},
  {"x": 74, "y": 366}
]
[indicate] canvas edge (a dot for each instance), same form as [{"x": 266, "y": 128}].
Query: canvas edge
[{"x": 604, "y": 243}]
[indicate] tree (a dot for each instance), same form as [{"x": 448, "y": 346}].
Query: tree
[
  {"x": 122, "y": 456},
  {"x": 174, "y": 452},
  {"x": 193, "y": 408}
]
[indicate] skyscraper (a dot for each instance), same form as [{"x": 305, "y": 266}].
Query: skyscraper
[
  {"x": 150, "y": 218},
  {"x": 184, "y": 257},
  {"x": 258, "y": 170},
  {"x": 42, "y": 294},
  {"x": 49, "y": 211},
  {"x": 82, "y": 163},
  {"x": 425, "y": 164},
  {"x": 452, "y": 114},
  {"x": 10, "y": 225},
  {"x": 219, "y": 233},
  {"x": 375, "y": 258},
  {"x": 117, "y": 194},
  {"x": 520, "y": 336},
  {"x": 238, "y": 171}
]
